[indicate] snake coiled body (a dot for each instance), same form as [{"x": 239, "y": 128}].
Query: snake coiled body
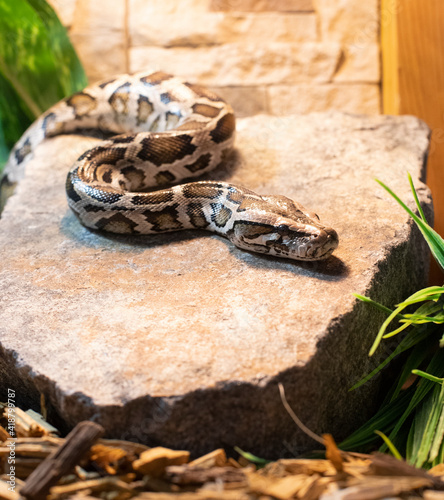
[{"x": 169, "y": 130}]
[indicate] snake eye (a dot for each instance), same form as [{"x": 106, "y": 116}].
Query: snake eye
[
  {"x": 282, "y": 229},
  {"x": 312, "y": 215}
]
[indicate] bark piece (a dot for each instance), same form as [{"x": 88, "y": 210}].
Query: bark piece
[
  {"x": 77, "y": 443},
  {"x": 153, "y": 462},
  {"x": 185, "y": 475}
]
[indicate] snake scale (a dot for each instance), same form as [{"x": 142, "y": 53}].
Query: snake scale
[{"x": 168, "y": 130}]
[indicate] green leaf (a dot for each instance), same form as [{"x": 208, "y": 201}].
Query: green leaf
[
  {"x": 36, "y": 55},
  {"x": 14, "y": 114},
  {"x": 38, "y": 66}
]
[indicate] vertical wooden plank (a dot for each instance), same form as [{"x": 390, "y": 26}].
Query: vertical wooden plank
[
  {"x": 413, "y": 60},
  {"x": 390, "y": 57}
]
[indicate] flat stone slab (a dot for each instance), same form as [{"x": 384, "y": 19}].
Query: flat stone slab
[{"x": 181, "y": 339}]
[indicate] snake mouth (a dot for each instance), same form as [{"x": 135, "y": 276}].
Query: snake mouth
[
  {"x": 304, "y": 242},
  {"x": 286, "y": 238},
  {"x": 315, "y": 244},
  {"x": 322, "y": 246}
]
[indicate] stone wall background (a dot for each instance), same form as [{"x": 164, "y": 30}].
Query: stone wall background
[{"x": 263, "y": 56}]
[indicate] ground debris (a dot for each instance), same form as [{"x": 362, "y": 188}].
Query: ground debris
[
  {"x": 26, "y": 423},
  {"x": 84, "y": 466},
  {"x": 153, "y": 462}
]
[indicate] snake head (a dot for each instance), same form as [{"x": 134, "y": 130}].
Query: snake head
[{"x": 303, "y": 239}]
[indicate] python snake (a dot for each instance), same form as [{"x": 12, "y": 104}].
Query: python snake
[{"x": 169, "y": 130}]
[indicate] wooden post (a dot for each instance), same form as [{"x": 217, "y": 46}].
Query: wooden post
[{"x": 412, "y": 42}]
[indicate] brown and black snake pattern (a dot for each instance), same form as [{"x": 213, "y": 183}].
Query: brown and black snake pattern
[{"x": 169, "y": 130}]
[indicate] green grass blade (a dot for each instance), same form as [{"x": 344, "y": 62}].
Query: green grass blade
[
  {"x": 414, "y": 337},
  {"x": 409, "y": 443},
  {"x": 390, "y": 445},
  {"x": 376, "y": 305},
  {"x": 383, "y": 328},
  {"x": 433, "y": 412},
  {"x": 374, "y": 372},
  {"x": 414, "y": 359},
  {"x": 384, "y": 420},
  {"x": 430, "y": 312},
  {"x": 439, "y": 430},
  {"x": 405, "y": 325},
  {"x": 418, "y": 429},
  {"x": 251, "y": 458},
  {"x": 430, "y": 293},
  {"x": 415, "y": 195},
  {"x": 418, "y": 319},
  {"x": 422, "y": 391},
  {"x": 432, "y": 378},
  {"x": 434, "y": 240}
]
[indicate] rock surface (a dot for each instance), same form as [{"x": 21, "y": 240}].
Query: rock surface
[{"x": 180, "y": 339}]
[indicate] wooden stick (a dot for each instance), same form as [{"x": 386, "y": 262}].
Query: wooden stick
[{"x": 62, "y": 461}]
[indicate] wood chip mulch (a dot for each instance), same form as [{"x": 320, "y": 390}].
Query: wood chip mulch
[{"x": 84, "y": 466}]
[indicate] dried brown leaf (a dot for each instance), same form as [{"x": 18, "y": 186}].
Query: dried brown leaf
[
  {"x": 438, "y": 471},
  {"x": 332, "y": 452}
]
